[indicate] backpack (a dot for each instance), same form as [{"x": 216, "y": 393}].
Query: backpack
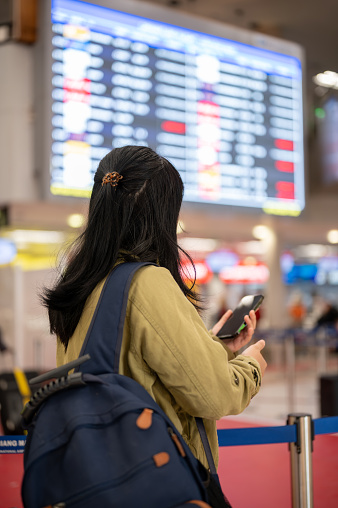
[{"x": 97, "y": 439}]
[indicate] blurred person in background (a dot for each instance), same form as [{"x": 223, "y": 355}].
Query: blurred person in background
[
  {"x": 297, "y": 310},
  {"x": 329, "y": 316}
]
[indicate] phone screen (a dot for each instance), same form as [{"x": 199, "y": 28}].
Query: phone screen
[{"x": 236, "y": 323}]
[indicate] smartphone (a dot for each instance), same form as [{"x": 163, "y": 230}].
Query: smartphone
[{"x": 236, "y": 323}]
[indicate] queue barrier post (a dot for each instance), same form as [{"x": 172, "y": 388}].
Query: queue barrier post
[{"x": 301, "y": 460}]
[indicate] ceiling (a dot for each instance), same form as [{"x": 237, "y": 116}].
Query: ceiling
[{"x": 310, "y": 23}]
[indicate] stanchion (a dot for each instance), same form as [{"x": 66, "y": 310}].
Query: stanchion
[{"x": 301, "y": 461}]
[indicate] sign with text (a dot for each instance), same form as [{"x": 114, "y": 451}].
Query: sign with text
[{"x": 228, "y": 115}]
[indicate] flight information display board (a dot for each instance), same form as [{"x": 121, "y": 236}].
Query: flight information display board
[
  {"x": 228, "y": 115},
  {"x": 327, "y": 129}
]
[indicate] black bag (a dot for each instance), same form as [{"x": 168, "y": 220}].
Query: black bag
[{"x": 12, "y": 399}]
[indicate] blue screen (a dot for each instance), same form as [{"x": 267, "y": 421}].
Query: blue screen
[{"x": 227, "y": 115}]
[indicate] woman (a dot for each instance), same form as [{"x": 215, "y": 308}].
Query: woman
[{"x": 133, "y": 214}]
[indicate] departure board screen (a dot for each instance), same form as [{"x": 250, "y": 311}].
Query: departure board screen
[{"x": 228, "y": 115}]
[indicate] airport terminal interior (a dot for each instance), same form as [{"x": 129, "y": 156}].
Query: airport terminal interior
[{"x": 241, "y": 96}]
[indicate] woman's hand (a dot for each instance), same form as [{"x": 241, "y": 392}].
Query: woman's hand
[
  {"x": 246, "y": 334},
  {"x": 255, "y": 352}
]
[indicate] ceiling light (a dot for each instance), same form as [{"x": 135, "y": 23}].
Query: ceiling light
[
  {"x": 328, "y": 79},
  {"x": 312, "y": 250},
  {"x": 332, "y": 236},
  {"x": 198, "y": 244},
  {"x": 261, "y": 232},
  {"x": 75, "y": 220},
  {"x": 253, "y": 247},
  {"x": 36, "y": 236}
]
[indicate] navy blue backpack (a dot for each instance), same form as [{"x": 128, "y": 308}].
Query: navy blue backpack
[{"x": 97, "y": 439}]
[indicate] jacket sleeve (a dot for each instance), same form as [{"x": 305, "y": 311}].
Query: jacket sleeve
[{"x": 192, "y": 364}]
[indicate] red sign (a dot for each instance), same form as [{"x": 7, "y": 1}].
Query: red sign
[
  {"x": 245, "y": 274},
  {"x": 203, "y": 272}
]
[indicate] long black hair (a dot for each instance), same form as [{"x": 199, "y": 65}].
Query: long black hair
[{"x": 136, "y": 218}]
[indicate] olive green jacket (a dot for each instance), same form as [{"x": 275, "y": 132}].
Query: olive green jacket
[{"x": 168, "y": 350}]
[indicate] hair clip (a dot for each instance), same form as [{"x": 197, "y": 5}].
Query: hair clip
[{"x": 112, "y": 178}]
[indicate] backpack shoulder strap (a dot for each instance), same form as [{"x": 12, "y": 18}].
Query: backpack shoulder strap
[
  {"x": 206, "y": 445},
  {"x": 104, "y": 336},
  {"x": 107, "y": 327}
]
